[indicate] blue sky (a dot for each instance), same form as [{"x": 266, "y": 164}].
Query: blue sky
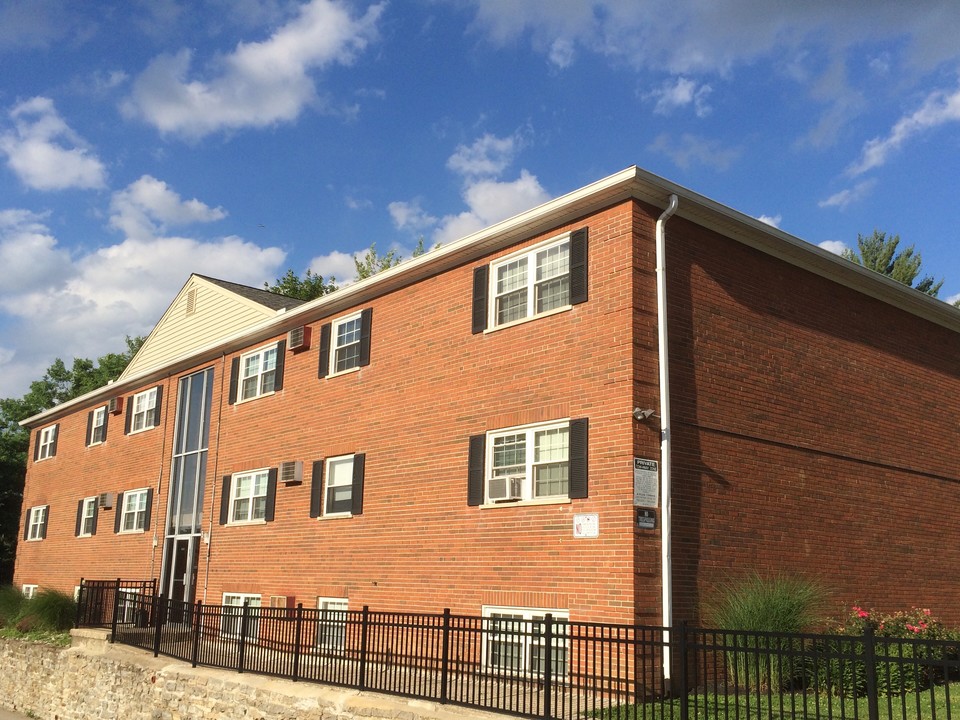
[{"x": 142, "y": 140}]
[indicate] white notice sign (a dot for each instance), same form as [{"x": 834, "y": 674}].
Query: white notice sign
[
  {"x": 646, "y": 483},
  {"x": 586, "y": 525}
]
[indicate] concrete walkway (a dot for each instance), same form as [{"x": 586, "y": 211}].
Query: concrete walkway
[{"x": 11, "y": 715}]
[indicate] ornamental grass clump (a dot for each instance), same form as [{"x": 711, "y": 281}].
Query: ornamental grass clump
[
  {"x": 761, "y": 614},
  {"x": 11, "y": 605},
  {"x": 46, "y": 612}
]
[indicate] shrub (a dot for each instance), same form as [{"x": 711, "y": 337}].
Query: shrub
[
  {"x": 11, "y": 605},
  {"x": 778, "y": 605},
  {"x": 53, "y": 610}
]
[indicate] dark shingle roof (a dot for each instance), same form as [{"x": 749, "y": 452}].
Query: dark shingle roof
[{"x": 272, "y": 300}]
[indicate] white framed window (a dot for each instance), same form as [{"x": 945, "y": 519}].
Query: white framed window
[
  {"x": 345, "y": 354},
  {"x": 133, "y": 517},
  {"x": 88, "y": 517},
  {"x": 248, "y": 496},
  {"x": 528, "y": 463},
  {"x": 47, "y": 442},
  {"x": 232, "y": 619},
  {"x": 37, "y": 522},
  {"x": 144, "y": 407},
  {"x": 127, "y": 606},
  {"x": 515, "y": 640},
  {"x": 29, "y": 591},
  {"x": 98, "y": 426},
  {"x": 532, "y": 283},
  {"x": 258, "y": 373},
  {"x": 338, "y": 491},
  {"x": 332, "y": 623}
]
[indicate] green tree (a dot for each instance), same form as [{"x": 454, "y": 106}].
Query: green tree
[
  {"x": 308, "y": 287},
  {"x": 373, "y": 262},
  {"x": 57, "y": 385},
  {"x": 879, "y": 253}
]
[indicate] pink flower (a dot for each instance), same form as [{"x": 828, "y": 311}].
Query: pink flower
[
  {"x": 913, "y": 628},
  {"x": 862, "y": 613},
  {"x": 926, "y": 612}
]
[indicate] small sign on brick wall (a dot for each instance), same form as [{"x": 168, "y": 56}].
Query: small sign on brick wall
[
  {"x": 646, "y": 483},
  {"x": 586, "y": 525}
]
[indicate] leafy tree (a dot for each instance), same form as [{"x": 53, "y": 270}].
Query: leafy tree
[
  {"x": 56, "y": 386},
  {"x": 373, "y": 262},
  {"x": 309, "y": 287},
  {"x": 879, "y": 253}
]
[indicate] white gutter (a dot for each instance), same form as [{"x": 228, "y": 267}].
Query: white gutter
[{"x": 666, "y": 578}]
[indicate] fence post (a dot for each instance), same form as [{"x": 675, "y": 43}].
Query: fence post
[
  {"x": 364, "y": 624},
  {"x": 79, "y": 603},
  {"x": 160, "y": 615},
  {"x": 116, "y": 610},
  {"x": 243, "y": 633},
  {"x": 445, "y": 658},
  {"x": 547, "y": 666},
  {"x": 298, "y": 638},
  {"x": 197, "y": 620},
  {"x": 684, "y": 660},
  {"x": 870, "y": 663}
]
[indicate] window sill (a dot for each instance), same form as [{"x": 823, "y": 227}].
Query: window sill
[
  {"x": 526, "y": 503},
  {"x": 35, "y": 539},
  {"x": 344, "y": 372},
  {"x": 336, "y": 516},
  {"x": 42, "y": 459},
  {"x": 141, "y": 430},
  {"x": 246, "y": 523},
  {"x": 255, "y": 397},
  {"x": 99, "y": 442},
  {"x": 138, "y": 531},
  {"x": 529, "y": 318}
]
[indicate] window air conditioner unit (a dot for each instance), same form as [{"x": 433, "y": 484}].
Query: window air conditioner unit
[
  {"x": 291, "y": 472},
  {"x": 298, "y": 338},
  {"x": 105, "y": 500},
  {"x": 506, "y": 489},
  {"x": 116, "y": 405}
]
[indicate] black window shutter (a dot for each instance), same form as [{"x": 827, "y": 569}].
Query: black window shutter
[
  {"x": 269, "y": 511},
  {"x": 316, "y": 488},
  {"x": 480, "y": 287},
  {"x": 119, "y": 513},
  {"x": 148, "y": 510},
  {"x": 234, "y": 379},
  {"x": 26, "y": 525},
  {"x": 578, "y": 267},
  {"x": 478, "y": 446},
  {"x": 129, "y": 419},
  {"x": 96, "y": 511},
  {"x": 225, "y": 500},
  {"x": 324, "y": 351},
  {"x": 36, "y": 445},
  {"x": 278, "y": 372},
  {"x": 359, "y": 461},
  {"x": 90, "y": 428},
  {"x": 157, "y": 406},
  {"x": 56, "y": 436},
  {"x": 46, "y": 521},
  {"x": 76, "y": 532},
  {"x": 366, "y": 320},
  {"x": 106, "y": 419},
  {"x": 579, "y": 431}
]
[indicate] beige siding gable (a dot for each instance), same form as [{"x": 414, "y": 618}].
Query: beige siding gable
[{"x": 201, "y": 314}]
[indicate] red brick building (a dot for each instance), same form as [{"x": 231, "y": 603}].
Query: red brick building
[{"x": 461, "y": 431}]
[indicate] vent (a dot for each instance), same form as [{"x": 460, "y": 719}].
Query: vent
[
  {"x": 298, "y": 338},
  {"x": 191, "y": 301},
  {"x": 116, "y": 405},
  {"x": 506, "y": 489},
  {"x": 105, "y": 500},
  {"x": 291, "y": 473}
]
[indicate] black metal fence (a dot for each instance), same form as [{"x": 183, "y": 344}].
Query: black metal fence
[{"x": 547, "y": 667}]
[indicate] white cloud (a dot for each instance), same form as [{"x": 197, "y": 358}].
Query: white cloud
[
  {"x": 851, "y": 195},
  {"x": 837, "y": 247},
  {"x": 29, "y": 255},
  {"x": 938, "y": 108},
  {"x": 336, "y": 265},
  {"x": 148, "y": 206},
  {"x": 953, "y": 299},
  {"x": 45, "y": 153},
  {"x": 259, "y": 83},
  {"x": 690, "y": 149},
  {"x": 488, "y": 155},
  {"x": 410, "y": 216},
  {"x": 773, "y": 220},
  {"x": 680, "y": 94}
]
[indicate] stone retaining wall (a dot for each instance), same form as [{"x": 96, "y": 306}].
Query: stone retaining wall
[{"x": 93, "y": 680}]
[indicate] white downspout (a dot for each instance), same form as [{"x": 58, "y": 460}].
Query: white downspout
[{"x": 666, "y": 579}]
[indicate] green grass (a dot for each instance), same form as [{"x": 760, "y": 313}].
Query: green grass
[
  {"x": 796, "y": 706},
  {"x": 49, "y": 637}
]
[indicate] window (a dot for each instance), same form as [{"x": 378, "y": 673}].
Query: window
[
  {"x": 29, "y": 591},
  {"x": 332, "y": 623},
  {"x": 87, "y": 517},
  {"x": 342, "y": 493},
  {"x": 143, "y": 410},
  {"x": 46, "y": 443},
  {"x": 537, "y": 281},
  {"x": 36, "y": 523},
  {"x": 233, "y": 615},
  {"x": 248, "y": 496},
  {"x": 133, "y": 510},
  {"x": 345, "y": 343},
  {"x": 515, "y": 640},
  {"x": 257, "y": 373},
  {"x": 131, "y": 607},
  {"x": 537, "y": 462},
  {"x": 97, "y": 425}
]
